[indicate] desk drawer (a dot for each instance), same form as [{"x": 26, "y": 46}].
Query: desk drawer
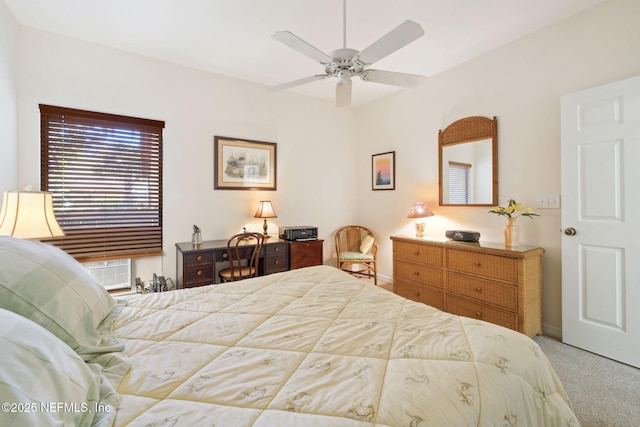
[
  {"x": 494, "y": 293},
  {"x": 198, "y": 274},
  {"x": 197, "y": 258},
  {"x": 418, "y": 253},
  {"x": 419, "y": 273},
  {"x": 419, "y": 293},
  {"x": 467, "y": 308},
  {"x": 275, "y": 263},
  {"x": 493, "y": 266},
  {"x": 276, "y": 249}
]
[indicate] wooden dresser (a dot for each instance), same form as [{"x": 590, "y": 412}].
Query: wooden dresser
[{"x": 483, "y": 281}]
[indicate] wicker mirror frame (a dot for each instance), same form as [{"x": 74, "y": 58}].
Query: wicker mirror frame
[{"x": 468, "y": 130}]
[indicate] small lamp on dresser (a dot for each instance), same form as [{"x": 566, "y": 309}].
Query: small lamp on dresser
[
  {"x": 419, "y": 211},
  {"x": 265, "y": 210}
]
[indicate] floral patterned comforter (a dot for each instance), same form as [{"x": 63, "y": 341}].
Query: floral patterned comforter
[{"x": 317, "y": 347}]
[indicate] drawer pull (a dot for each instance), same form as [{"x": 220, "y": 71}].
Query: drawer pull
[
  {"x": 199, "y": 273},
  {"x": 276, "y": 250},
  {"x": 416, "y": 273},
  {"x": 276, "y": 262},
  {"x": 477, "y": 264},
  {"x": 416, "y": 252},
  {"x": 417, "y": 294},
  {"x": 479, "y": 290},
  {"x": 478, "y": 315},
  {"x": 225, "y": 255},
  {"x": 199, "y": 258}
]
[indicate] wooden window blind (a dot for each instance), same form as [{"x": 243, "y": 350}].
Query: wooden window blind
[
  {"x": 105, "y": 173},
  {"x": 459, "y": 183}
]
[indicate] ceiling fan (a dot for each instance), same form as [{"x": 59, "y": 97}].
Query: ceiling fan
[{"x": 345, "y": 63}]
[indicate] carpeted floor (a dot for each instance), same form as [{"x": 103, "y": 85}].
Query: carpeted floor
[{"x": 604, "y": 393}]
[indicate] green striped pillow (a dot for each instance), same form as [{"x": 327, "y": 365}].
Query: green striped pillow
[
  {"x": 48, "y": 286},
  {"x": 38, "y": 373}
]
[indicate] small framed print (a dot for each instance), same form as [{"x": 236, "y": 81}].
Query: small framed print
[
  {"x": 383, "y": 171},
  {"x": 242, "y": 164}
]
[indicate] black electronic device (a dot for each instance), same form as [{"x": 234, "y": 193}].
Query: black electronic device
[
  {"x": 463, "y": 235},
  {"x": 298, "y": 233}
]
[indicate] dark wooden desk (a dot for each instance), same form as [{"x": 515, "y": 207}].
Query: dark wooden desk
[{"x": 196, "y": 265}]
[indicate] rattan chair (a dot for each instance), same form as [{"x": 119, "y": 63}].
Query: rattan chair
[
  {"x": 243, "y": 248},
  {"x": 357, "y": 251}
]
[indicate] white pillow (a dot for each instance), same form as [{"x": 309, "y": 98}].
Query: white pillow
[
  {"x": 48, "y": 286},
  {"x": 366, "y": 244},
  {"x": 38, "y": 372}
]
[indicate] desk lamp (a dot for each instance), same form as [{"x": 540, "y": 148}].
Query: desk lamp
[
  {"x": 29, "y": 215},
  {"x": 265, "y": 210},
  {"x": 419, "y": 211}
]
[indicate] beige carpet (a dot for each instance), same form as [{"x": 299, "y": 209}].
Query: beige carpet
[{"x": 604, "y": 393}]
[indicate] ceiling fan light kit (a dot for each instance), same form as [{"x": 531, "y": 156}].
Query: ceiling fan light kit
[{"x": 345, "y": 63}]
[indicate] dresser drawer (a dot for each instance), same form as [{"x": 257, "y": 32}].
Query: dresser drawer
[
  {"x": 492, "y": 266},
  {"x": 305, "y": 254},
  {"x": 467, "y": 308},
  {"x": 495, "y": 293},
  {"x": 418, "y": 253},
  {"x": 418, "y": 273},
  {"x": 196, "y": 258},
  {"x": 423, "y": 294},
  {"x": 198, "y": 274}
]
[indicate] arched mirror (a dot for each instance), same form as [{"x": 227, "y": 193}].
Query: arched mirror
[{"x": 468, "y": 155}]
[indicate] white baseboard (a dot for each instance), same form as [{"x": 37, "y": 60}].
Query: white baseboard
[{"x": 552, "y": 331}]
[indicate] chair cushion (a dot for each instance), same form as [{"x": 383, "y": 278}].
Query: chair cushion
[
  {"x": 355, "y": 256},
  {"x": 366, "y": 244}
]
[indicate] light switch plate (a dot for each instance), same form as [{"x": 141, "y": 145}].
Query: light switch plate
[{"x": 549, "y": 201}]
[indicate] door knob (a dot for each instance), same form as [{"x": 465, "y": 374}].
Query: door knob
[{"x": 570, "y": 231}]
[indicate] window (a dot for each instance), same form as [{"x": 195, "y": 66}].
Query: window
[
  {"x": 459, "y": 183},
  {"x": 105, "y": 173}
]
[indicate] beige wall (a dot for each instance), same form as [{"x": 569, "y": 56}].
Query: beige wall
[
  {"x": 314, "y": 152},
  {"x": 521, "y": 84},
  {"x": 8, "y": 100}
]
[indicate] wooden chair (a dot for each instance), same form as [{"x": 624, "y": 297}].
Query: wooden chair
[
  {"x": 240, "y": 248},
  {"x": 357, "y": 251}
]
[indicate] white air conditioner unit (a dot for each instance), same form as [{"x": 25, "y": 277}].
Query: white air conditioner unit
[{"x": 112, "y": 274}]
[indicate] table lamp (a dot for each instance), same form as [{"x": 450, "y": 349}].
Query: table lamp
[
  {"x": 419, "y": 211},
  {"x": 265, "y": 210},
  {"x": 29, "y": 215}
]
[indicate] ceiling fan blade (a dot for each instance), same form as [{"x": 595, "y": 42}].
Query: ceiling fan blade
[
  {"x": 393, "y": 78},
  {"x": 343, "y": 93},
  {"x": 299, "y": 82},
  {"x": 397, "y": 38},
  {"x": 296, "y": 43}
]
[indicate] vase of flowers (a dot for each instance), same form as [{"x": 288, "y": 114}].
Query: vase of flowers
[{"x": 512, "y": 212}]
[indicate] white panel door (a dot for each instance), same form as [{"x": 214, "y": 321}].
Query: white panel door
[{"x": 601, "y": 220}]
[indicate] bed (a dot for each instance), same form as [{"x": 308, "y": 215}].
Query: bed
[{"x": 309, "y": 347}]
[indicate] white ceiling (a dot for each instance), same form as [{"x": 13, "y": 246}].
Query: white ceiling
[{"x": 233, "y": 37}]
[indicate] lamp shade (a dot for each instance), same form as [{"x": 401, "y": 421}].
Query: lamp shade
[
  {"x": 419, "y": 210},
  {"x": 29, "y": 215},
  {"x": 265, "y": 210}
]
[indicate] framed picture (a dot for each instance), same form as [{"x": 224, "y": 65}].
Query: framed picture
[
  {"x": 242, "y": 164},
  {"x": 383, "y": 171}
]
